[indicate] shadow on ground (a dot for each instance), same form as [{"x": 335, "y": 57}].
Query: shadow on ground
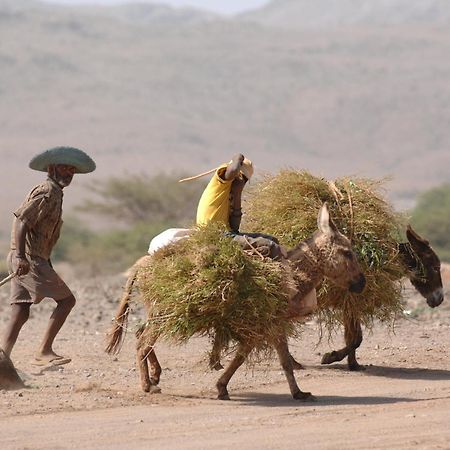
[
  {"x": 277, "y": 400},
  {"x": 280, "y": 400},
  {"x": 407, "y": 373}
]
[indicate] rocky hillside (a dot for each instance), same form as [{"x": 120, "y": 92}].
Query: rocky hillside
[{"x": 326, "y": 14}]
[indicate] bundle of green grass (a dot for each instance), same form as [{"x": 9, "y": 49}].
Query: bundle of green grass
[
  {"x": 286, "y": 206},
  {"x": 207, "y": 285}
]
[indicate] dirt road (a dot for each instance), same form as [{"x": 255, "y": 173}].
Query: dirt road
[
  {"x": 410, "y": 411},
  {"x": 401, "y": 401}
]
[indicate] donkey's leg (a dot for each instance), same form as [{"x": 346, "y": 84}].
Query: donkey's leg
[
  {"x": 295, "y": 364},
  {"x": 353, "y": 338},
  {"x": 241, "y": 354},
  {"x": 145, "y": 352},
  {"x": 286, "y": 363},
  {"x": 339, "y": 355},
  {"x": 214, "y": 356},
  {"x": 335, "y": 355}
]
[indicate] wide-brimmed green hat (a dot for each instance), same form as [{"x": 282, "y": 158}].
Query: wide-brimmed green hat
[{"x": 63, "y": 155}]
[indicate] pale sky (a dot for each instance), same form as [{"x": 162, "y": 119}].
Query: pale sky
[{"x": 218, "y": 6}]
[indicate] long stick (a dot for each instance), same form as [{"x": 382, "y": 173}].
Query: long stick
[
  {"x": 197, "y": 176},
  {"x": 8, "y": 278}
]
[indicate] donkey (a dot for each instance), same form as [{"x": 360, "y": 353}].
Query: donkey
[
  {"x": 423, "y": 268},
  {"x": 327, "y": 253}
]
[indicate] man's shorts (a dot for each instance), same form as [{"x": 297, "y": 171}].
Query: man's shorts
[{"x": 39, "y": 283}]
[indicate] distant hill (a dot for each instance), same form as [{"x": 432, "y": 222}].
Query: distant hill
[
  {"x": 153, "y": 14},
  {"x": 136, "y": 13},
  {"x": 323, "y": 14},
  {"x": 147, "y": 96}
]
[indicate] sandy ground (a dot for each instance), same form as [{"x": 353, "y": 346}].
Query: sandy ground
[{"x": 401, "y": 400}]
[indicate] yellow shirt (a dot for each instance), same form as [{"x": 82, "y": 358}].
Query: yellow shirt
[{"x": 214, "y": 204}]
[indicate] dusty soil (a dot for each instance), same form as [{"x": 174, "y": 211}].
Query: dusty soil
[{"x": 401, "y": 400}]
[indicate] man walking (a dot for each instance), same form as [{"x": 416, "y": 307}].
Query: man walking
[{"x": 35, "y": 231}]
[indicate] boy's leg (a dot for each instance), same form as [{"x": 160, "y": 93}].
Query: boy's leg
[
  {"x": 265, "y": 246},
  {"x": 262, "y": 235},
  {"x": 20, "y": 312}
]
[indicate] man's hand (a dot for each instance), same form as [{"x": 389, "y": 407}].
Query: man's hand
[
  {"x": 234, "y": 167},
  {"x": 238, "y": 157},
  {"x": 23, "y": 265}
]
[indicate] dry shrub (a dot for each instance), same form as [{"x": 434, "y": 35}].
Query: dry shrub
[
  {"x": 286, "y": 206},
  {"x": 207, "y": 285}
]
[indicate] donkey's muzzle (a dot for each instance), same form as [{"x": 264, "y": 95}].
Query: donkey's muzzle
[
  {"x": 436, "y": 298},
  {"x": 358, "y": 286}
]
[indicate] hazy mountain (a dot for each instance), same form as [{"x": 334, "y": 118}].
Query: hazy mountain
[
  {"x": 322, "y": 14},
  {"x": 153, "y": 14},
  {"x": 149, "y": 97},
  {"x": 134, "y": 12}
]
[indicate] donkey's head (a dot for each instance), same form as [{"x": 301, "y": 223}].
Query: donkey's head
[
  {"x": 424, "y": 266},
  {"x": 337, "y": 257}
]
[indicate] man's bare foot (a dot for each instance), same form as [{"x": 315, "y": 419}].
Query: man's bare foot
[{"x": 50, "y": 359}]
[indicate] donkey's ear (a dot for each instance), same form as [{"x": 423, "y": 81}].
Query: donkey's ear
[
  {"x": 415, "y": 240},
  {"x": 324, "y": 222}
]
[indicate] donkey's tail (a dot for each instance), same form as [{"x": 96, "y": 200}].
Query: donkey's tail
[{"x": 121, "y": 319}]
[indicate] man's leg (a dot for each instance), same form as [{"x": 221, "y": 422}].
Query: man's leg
[
  {"x": 20, "y": 312},
  {"x": 262, "y": 235},
  {"x": 55, "y": 323},
  {"x": 267, "y": 246}
]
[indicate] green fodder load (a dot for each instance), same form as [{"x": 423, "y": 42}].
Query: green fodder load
[
  {"x": 286, "y": 206},
  {"x": 207, "y": 285}
]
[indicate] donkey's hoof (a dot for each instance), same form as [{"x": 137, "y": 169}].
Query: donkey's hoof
[
  {"x": 154, "y": 389},
  {"x": 151, "y": 388},
  {"x": 216, "y": 365},
  {"x": 329, "y": 358},
  {"x": 355, "y": 367},
  {"x": 223, "y": 396},
  {"x": 304, "y": 397}
]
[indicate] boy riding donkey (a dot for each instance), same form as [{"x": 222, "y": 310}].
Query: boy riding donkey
[{"x": 221, "y": 202}]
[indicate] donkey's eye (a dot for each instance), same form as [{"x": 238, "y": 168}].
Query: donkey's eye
[{"x": 347, "y": 254}]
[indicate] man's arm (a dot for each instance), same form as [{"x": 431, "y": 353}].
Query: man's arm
[
  {"x": 235, "y": 219},
  {"x": 20, "y": 233},
  {"x": 232, "y": 173}
]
